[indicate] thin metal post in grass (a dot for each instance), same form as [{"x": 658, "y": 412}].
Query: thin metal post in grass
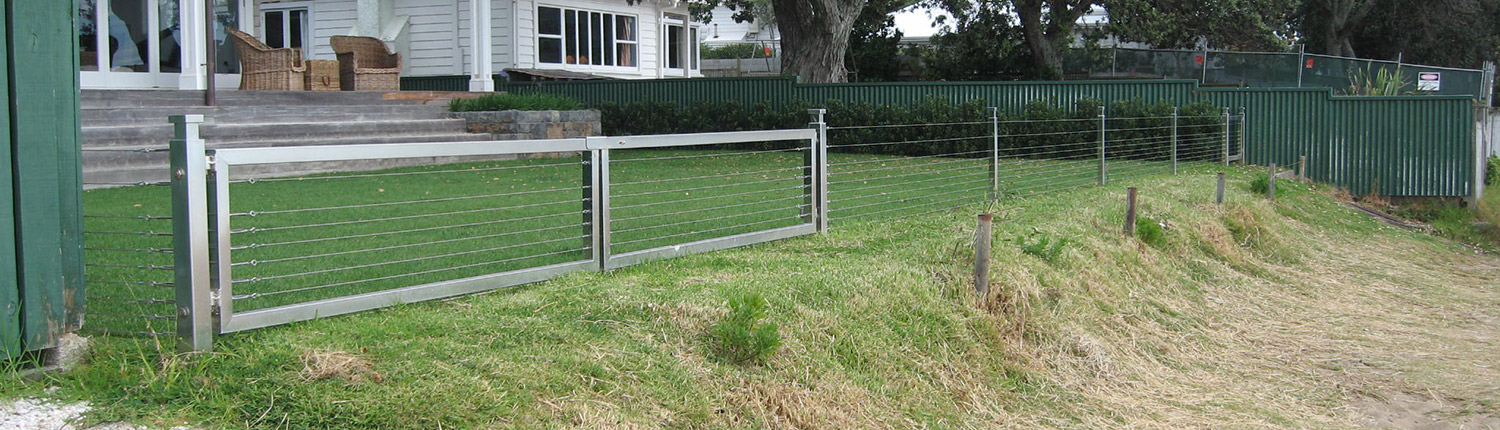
[
  {"x": 815, "y": 171},
  {"x": 994, "y": 153},
  {"x": 1174, "y": 140},
  {"x": 982, "y": 255},
  {"x": 1103, "y": 170},
  {"x": 221, "y": 243},
  {"x": 1302, "y": 168},
  {"x": 189, "y": 169},
  {"x": 593, "y": 217},
  {"x": 1226, "y": 137},
  {"x": 1130, "y": 212},
  {"x": 1244, "y": 130},
  {"x": 1271, "y": 182},
  {"x": 1219, "y": 195}
]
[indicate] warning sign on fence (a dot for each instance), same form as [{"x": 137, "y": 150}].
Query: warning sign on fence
[{"x": 1429, "y": 81}]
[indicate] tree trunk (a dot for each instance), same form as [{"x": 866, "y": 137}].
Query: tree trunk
[
  {"x": 815, "y": 36},
  {"x": 1046, "y": 38}
]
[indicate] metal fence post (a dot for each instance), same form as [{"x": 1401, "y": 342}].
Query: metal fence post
[
  {"x": 1244, "y": 132},
  {"x": 221, "y": 243},
  {"x": 1174, "y": 140},
  {"x": 994, "y": 153},
  {"x": 1301, "y": 62},
  {"x": 1103, "y": 172},
  {"x": 815, "y": 172},
  {"x": 189, "y": 171},
  {"x": 1226, "y": 136},
  {"x": 593, "y": 217}
]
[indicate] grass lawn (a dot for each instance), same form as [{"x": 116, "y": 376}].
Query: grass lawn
[
  {"x": 1284, "y": 314},
  {"x": 322, "y": 236}
]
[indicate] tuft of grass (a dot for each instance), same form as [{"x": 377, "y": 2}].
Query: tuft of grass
[
  {"x": 1261, "y": 184},
  {"x": 499, "y": 102},
  {"x": 1045, "y": 247},
  {"x": 742, "y": 336},
  {"x": 1150, "y": 232}
]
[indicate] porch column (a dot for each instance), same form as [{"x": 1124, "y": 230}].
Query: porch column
[
  {"x": 194, "y": 51},
  {"x": 483, "y": 70}
]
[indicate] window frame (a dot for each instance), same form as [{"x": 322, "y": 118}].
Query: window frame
[
  {"x": 592, "y": 42},
  {"x": 668, "y": 22},
  {"x": 286, "y": 10}
]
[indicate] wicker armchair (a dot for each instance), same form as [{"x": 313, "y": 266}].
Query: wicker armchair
[
  {"x": 365, "y": 64},
  {"x": 266, "y": 68}
]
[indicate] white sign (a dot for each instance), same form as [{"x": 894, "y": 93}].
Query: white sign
[{"x": 1429, "y": 81}]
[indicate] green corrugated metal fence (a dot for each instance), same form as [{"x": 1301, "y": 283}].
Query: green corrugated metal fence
[
  {"x": 41, "y": 292},
  {"x": 1413, "y": 146}
]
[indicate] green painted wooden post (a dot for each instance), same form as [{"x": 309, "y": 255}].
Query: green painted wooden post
[
  {"x": 47, "y": 176},
  {"x": 10, "y": 298}
]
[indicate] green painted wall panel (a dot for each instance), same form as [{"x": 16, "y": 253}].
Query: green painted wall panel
[
  {"x": 10, "y": 299},
  {"x": 45, "y": 150}
]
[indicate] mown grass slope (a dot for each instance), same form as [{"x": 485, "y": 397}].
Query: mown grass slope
[{"x": 1254, "y": 314}]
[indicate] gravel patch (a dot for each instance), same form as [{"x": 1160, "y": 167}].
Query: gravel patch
[{"x": 42, "y": 414}]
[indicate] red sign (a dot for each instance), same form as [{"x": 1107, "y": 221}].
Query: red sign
[
  {"x": 1199, "y": 59},
  {"x": 1309, "y": 63}
]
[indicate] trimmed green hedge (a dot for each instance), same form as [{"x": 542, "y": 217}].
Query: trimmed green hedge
[
  {"x": 1143, "y": 130},
  {"x": 499, "y": 102}
]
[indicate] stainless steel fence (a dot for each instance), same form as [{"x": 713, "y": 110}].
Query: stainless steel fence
[{"x": 252, "y": 240}]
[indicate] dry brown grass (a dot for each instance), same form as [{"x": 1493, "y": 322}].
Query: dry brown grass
[{"x": 326, "y": 364}]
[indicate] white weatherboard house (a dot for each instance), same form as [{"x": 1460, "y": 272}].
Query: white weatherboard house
[{"x": 161, "y": 43}]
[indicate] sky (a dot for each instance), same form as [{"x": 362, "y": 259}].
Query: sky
[{"x": 916, "y": 22}]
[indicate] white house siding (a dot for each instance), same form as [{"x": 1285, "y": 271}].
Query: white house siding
[
  {"x": 648, "y": 23},
  {"x": 329, "y": 18},
  {"x": 434, "y": 39}
]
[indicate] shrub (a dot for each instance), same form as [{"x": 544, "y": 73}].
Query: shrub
[
  {"x": 499, "y": 102},
  {"x": 1492, "y": 171},
  {"x": 1149, "y": 231},
  {"x": 738, "y": 50},
  {"x": 1044, "y": 248},
  {"x": 742, "y": 337},
  {"x": 1261, "y": 184}
]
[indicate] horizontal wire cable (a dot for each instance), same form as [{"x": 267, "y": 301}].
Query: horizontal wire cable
[
  {"x": 936, "y": 124},
  {"x": 700, "y": 221},
  {"x": 139, "y": 283},
  {"x": 403, "y": 275},
  {"x": 851, "y": 190},
  {"x": 408, "y": 202},
  {"x": 722, "y": 175},
  {"x": 141, "y": 217},
  {"x": 137, "y": 150},
  {"x": 129, "y": 266},
  {"x": 951, "y": 202},
  {"x": 405, "y": 217},
  {"x": 908, "y": 166},
  {"x": 917, "y": 157},
  {"x": 668, "y": 202},
  {"x": 920, "y": 173},
  {"x": 131, "y": 316},
  {"x": 714, "y": 208},
  {"x": 130, "y": 233},
  {"x": 402, "y": 246},
  {"x": 832, "y": 210},
  {"x": 949, "y": 139},
  {"x": 708, "y": 187},
  {"x": 138, "y": 251},
  {"x": 701, "y": 231},
  {"x": 731, "y": 154},
  {"x": 402, "y": 261},
  {"x": 108, "y": 332},
  {"x": 382, "y": 175},
  {"x": 415, "y": 230},
  {"x": 1004, "y": 135},
  {"x": 131, "y": 300},
  {"x": 132, "y": 184}
]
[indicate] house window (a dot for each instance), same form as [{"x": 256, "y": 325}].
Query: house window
[
  {"x": 673, "y": 42},
  {"x": 286, "y": 28},
  {"x": 570, "y": 36}
]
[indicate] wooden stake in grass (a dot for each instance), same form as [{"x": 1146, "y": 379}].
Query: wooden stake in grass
[
  {"x": 982, "y": 256},
  {"x": 1130, "y": 212},
  {"x": 1302, "y": 168},
  {"x": 1219, "y": 195},
  {"x": 1271, "y": 183}
]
